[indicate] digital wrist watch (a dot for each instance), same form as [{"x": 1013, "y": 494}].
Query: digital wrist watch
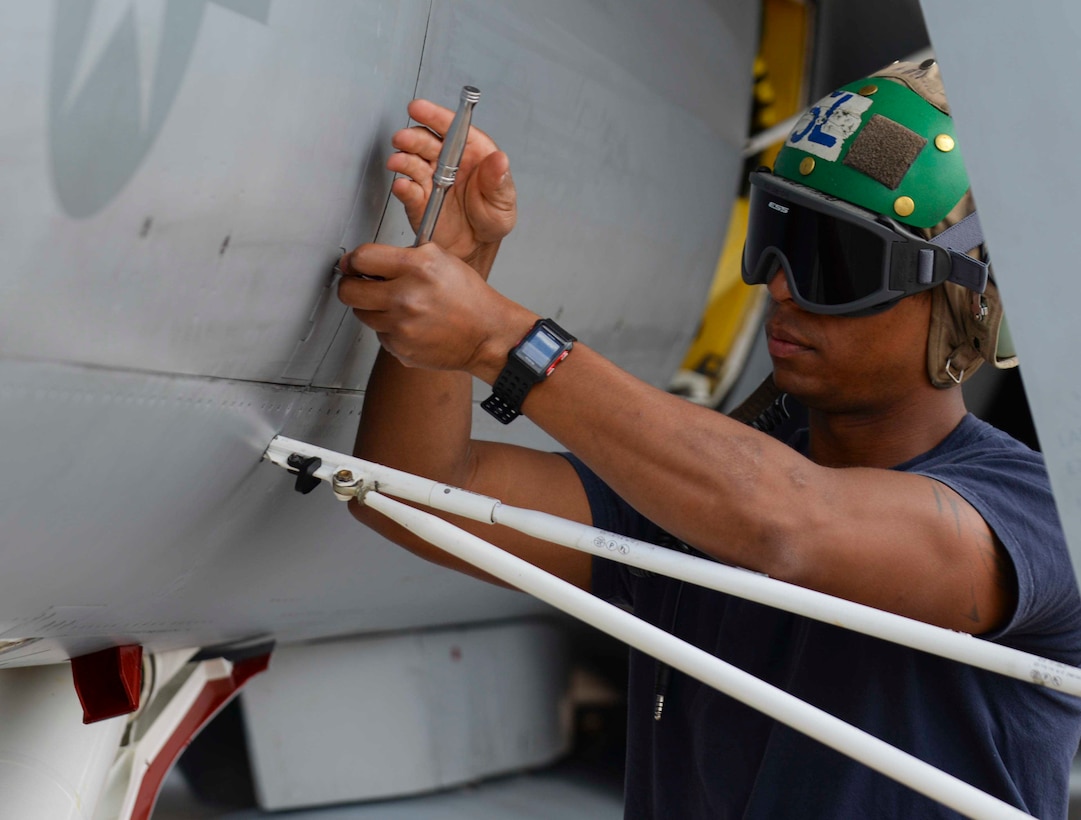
[{"x": 530, "y": 361}]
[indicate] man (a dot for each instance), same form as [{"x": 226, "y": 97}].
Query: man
[{"x": 892, "y": 496}]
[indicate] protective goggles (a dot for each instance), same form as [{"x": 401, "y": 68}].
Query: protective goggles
[{"x": 844, "y": 260}]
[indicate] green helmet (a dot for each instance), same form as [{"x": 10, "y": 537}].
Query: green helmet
[
  {"x": 879, "y": 144},
  {"x": 886, "y": 143}
]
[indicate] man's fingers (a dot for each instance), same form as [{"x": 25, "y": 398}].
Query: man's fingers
[
  {"x": 375, "y": 261},
  {"x": 439, "y": 119},
  {"x": 418, "y": 140},
  {"x": 433, "y": 116},
  {"x": 372, "y": 318},
  {"x": 409, "y": 193},
  {"x": 494, "y": 180},
  {"x": 359, "y": 294},
  {"x": 412, "y": 166}
]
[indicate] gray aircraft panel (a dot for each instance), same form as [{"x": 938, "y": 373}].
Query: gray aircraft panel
[
  {"x": 254, "y": 143},
  {"x": 624, "y": 150},
  {"x": 1012, "y": 91},
  {"x": 136, "y": 509},
  {"x": 184, "y": 173}
]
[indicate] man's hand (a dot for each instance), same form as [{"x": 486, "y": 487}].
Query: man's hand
[
  {"x": 480, "y": 208},
  {"x": 430, "y": 309}
]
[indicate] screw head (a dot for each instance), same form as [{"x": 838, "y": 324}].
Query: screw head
[
  {"x": 944, "y": 143},
  {"x": 904, "y": 206}
]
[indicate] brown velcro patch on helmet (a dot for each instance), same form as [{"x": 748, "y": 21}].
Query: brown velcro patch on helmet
[{"x": 885, "y": 150}]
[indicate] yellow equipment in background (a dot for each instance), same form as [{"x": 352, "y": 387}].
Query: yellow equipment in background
[{"x": 733, "y": 313}]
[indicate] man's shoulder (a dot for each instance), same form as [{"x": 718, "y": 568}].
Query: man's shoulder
[
  {"x": 985, "y": 460},
  {"x": 973, "y": 438},
  {"x": 1008, "y": 485}
]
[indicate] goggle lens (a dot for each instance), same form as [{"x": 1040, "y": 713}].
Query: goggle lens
[{"x": 830, "y": 262}]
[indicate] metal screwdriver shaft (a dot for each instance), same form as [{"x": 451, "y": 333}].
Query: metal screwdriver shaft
[{"x": 450, "y": 157}]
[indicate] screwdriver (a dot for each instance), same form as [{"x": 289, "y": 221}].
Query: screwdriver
[{"x": 450, "y": 157}]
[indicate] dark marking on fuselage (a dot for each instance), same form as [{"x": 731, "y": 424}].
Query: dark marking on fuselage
[
  {"x": 224, "y": 245},
  {"x": 99, "y": 132}
]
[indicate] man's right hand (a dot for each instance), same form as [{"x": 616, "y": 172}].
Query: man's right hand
[{"x": 480, "y": 208}]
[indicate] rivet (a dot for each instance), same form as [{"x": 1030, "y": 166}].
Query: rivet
[
  {"x": 944, "y": 142},
  {"x": 904, "y": 206},
  {"x": 868, "y": 90},
  {"x": 806, "y": 165}
]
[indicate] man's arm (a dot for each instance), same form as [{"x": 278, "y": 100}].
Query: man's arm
[
  {"x": 896, "y": 541},
  {"x": 893, "y": 540},
  {"x": 420, "y": 420}
]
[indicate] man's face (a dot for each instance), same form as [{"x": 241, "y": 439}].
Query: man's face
[{"x": 843, "y": 363}]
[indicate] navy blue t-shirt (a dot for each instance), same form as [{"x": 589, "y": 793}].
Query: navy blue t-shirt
[{"x": 712, "y": 757}]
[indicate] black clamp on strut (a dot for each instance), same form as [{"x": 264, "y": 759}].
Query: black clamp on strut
[{"x": 305, "y": 472}]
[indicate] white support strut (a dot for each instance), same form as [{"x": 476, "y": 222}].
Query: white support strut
[
  {"x": 753, "y": 586},
  {"x": 372, "y": 483},
  {"x": 768, "y": 699}
]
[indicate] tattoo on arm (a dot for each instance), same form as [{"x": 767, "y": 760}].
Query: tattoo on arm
[
  {"x": 955, "y": 508},
  {"x": 993, "y": 557},
  {"x": 973, "y": 614}
]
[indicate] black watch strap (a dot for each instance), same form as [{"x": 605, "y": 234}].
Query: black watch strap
[
  {"x": 517, "y": 378},
  {"x": 509, "y": 391}
]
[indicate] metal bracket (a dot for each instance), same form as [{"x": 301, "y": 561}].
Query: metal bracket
[{"x": 304, "y": 468}]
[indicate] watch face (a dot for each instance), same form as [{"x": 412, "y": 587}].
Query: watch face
[{"x": 539, "y": 349}]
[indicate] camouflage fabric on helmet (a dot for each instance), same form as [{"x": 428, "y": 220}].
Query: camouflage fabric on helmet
[{"x": 965, "y": 326}]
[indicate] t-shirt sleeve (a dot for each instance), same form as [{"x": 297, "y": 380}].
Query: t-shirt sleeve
[
  {"x": 1010, "y": 489},
  {"x": 612, "y": 581}
]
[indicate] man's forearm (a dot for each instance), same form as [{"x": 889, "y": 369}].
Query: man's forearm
[
  {"x": 420, "y": 420},
  {"x": 416, "y": 420}
]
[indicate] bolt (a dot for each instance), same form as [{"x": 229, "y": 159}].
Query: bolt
[{"x": 345, "y": 485}]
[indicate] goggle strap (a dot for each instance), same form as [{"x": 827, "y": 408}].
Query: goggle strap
[
  {"x": 962, "y": 235},
  {"x": 925, "y": 267},
  {"x": 967, "y": 272}
]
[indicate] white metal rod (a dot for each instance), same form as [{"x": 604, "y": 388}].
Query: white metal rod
[
  {"x": 753, "y": 586},
  {"x": 388, "y": 480},
  {"x": 743, "y": 583},
  {"x": 774, "y": 702}
]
